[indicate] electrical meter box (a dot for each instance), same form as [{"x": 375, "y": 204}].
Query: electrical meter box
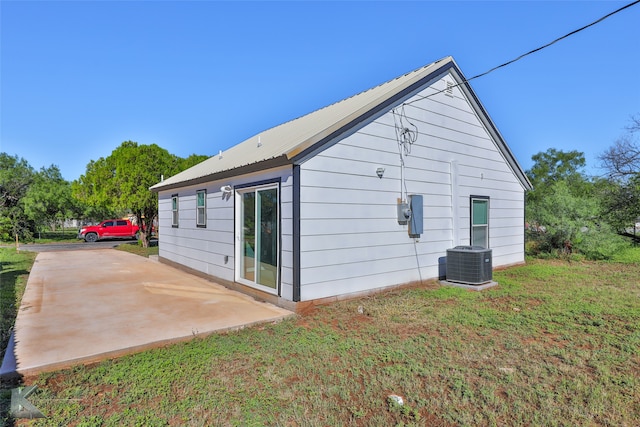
[
  {"x": 404, "y": 213},
  {"x": 416, "y": 220}
]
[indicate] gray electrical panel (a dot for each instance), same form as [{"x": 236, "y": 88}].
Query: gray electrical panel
[
  {"x": 415, "y": 222},
  {"x": 404, "y": 213}
]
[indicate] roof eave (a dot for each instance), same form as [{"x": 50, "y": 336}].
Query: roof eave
[{"x": 229, "y": 173}]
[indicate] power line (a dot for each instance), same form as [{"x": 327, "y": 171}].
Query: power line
[{"x": 597, "y": 21}]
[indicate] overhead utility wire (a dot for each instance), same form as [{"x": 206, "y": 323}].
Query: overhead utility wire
[{"x": 597, "y": 21}]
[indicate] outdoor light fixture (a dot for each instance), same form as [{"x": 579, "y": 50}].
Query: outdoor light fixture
[
  {"x": 380, "y": 172},
  {"x": 225, "y": 189}
]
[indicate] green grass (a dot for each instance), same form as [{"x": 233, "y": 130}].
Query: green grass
[
  {"x": 67, "y": 235},
  {"x": 14, "y": 271},
  {"x": 60, "y": 236},
  {"x": 136, "y": 248},
  {"x": 556, "y": 344},
  {"x": 629, "y": 255}
]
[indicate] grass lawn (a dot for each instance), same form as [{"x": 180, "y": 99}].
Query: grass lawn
[
  {"x": 556, "y": 344},
  {"x": 68, "y": 235},
  {"x": 137, "y": 249},
  {"x": 14, "y": 271}
]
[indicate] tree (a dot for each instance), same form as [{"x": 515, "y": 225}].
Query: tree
[
  {"x": 121, "y": 181},
  {"x": 563, "y": 211},
  {"x": 192, "y": 160},
  {"x": 622, "y": 159},
  {"x": 549, "y": 168},
  {"x": 621, "y": 202},
  {"x": 16, "y": 176},
  {"x": 96, "y": 203},
  {"x": 557, "y": 165},
  {"x": 48, "y": 199},
  {"x": 621, "y": 199}
]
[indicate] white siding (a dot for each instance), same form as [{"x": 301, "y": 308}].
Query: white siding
[
  {"x": 350, "y": 238},
  {"x": 205, "y": 249}
]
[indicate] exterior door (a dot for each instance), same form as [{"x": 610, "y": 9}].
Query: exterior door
[{"x": 257, "y": 229}]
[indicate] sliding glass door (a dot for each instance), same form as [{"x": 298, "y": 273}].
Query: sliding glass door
[{"x": 257, "y": 229}]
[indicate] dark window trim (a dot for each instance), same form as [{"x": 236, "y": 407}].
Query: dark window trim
[
  {"x": 205, "y": 208},
  {"x": 471, "y": 198},
  {"x": 258, "y": 183},
  {"x": 177, "y": 210}
]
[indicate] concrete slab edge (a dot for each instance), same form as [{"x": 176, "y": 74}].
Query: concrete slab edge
[
  {"x": 114, "y": 354},
  {"x": 470, "y": 287}
]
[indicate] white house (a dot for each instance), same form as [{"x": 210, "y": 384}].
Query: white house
[{"x": 314, "y": 209}]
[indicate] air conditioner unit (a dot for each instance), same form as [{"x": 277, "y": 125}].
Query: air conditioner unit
[{"x": 471, "y": 265}]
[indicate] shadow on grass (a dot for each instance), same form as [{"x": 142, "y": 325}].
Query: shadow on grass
[{"x": 10, "y": 275}]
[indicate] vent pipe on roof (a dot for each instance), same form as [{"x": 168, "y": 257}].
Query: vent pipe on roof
[{"x": 220, "y": 154}]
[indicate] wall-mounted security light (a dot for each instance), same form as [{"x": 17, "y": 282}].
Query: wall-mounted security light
[
  {"x": 226, "y": 192},
  {"x": 380, "y": 172}
]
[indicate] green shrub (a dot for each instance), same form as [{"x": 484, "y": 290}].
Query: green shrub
[{"x": 600, "y": 245}]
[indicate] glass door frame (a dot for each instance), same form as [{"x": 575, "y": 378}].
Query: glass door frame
[{"x": 240, "y": 192}]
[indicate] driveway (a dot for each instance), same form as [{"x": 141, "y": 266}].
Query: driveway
[{"x": 85, "y": 306}]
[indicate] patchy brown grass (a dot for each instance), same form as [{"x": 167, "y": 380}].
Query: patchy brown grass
[{"x": 556, "y": 343}]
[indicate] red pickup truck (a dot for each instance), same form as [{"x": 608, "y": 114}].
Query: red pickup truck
[{"x": 109, "y": 229}]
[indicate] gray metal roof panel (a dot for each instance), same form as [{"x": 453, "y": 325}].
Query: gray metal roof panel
[{"x": 295, "y": 136}]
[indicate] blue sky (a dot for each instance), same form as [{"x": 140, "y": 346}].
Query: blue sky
[{"x": 79, "y": 78}]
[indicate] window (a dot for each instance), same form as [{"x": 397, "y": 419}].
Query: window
[
  {"x": 121, "y": 222},
  {"x": 480, "y": 221},
  {"x": 108, "y": 224},
  {"x": 201, "y": 208},
  {"x": 174, "y": 210}
]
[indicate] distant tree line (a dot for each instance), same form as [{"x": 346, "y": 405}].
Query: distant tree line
[
  {"x": 115, "y": 186},
  {"x": 568, "y": 212}
]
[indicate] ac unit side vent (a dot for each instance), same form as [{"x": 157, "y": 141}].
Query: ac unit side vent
[{"x": 471, "y": 265}]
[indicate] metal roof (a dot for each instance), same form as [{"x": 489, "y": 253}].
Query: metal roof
[{"x": 288, "y": 142}]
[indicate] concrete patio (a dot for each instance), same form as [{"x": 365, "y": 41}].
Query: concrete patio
[{"x": 86, "y": 306}]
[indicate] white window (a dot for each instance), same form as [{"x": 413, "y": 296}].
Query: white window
[
  {"x": 480, "y": 221},
  {"x": 201, "y": 208},
  {"x": 174, "y": 210}
]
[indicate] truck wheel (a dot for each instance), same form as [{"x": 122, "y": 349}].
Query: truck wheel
[
  {"x": 90, "y": 237},
  {"x": 137, "y": 236}
]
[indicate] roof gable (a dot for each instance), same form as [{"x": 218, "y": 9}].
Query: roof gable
[{"x": 296, "y": 140}]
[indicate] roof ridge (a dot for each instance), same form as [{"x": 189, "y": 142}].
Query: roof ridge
[{"x": 349, "y": 97}]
